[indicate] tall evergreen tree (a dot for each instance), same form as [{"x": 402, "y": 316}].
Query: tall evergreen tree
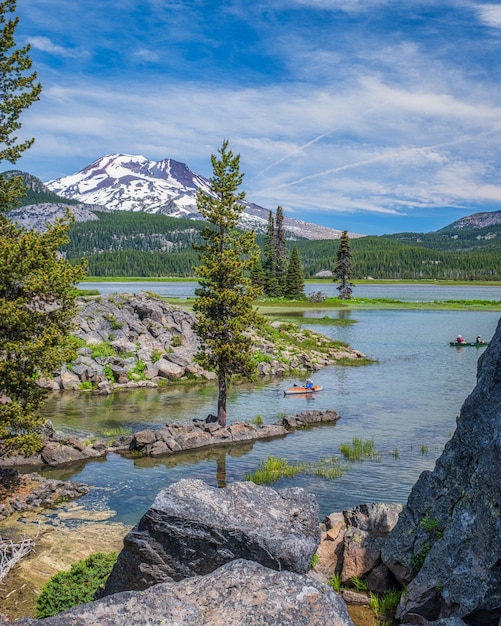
[
  {"x": 342, "y": 269},
  {"x": 281, "y": 253},
  {"x": 294, "y": 283},
  {"x": 270, "y": 260},
  {"x": 224, "y": 302},
  {"x": 36, "y": 303}
]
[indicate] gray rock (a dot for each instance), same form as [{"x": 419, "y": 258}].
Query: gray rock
[
  {"x": 446, "y": 546},
  {"x": 192, "y": 529},
  {"x": 240, "y": 593},
  {"x": 56, "y": 453}
]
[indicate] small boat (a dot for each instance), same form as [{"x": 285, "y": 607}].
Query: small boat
[
  {"x": 297, "y": 390},
  {"x": 475, "y": 344}
]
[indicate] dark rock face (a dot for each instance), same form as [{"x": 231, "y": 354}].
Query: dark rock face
[
  {"x": 446, "y": 546},
  {"x": 192, "y": 529},
  {"x": 239, "y": 592}
]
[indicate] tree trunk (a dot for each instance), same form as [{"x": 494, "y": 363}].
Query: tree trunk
[
  {"x": 221, "y": 401},
  {"x": 221, "y": 470}
]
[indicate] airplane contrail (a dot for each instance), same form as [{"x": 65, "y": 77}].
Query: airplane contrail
[
  {"x": 387, "y": 155},
  {"x": 318, "y": 138}
]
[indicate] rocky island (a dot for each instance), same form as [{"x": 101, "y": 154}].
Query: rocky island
[{"x": 136, "y": 340}]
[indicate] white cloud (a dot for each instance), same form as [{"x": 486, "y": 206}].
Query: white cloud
[
  {"x": 46, "y": 45},
  {"x": 490, "y": 14}
]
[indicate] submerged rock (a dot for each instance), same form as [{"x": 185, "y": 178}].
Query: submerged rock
[
  {"x": 446, "y": 546},
  {"x": 23, "y": 492}
]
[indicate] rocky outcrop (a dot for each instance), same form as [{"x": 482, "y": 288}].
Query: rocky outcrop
[
  {"x": 140, "y": 340},
  {"x": 240, "y": 592},
  {"x": 130, "y": 341},
  {"x": 23, "y": 492},
  {"x": 61, "y": 449},
  {"x": 192, "y": 529},
  {"x": 57, "y": 449},
  {"x": 446, "y": 546},
  {"x": 351, "y": 547},
  {"x": 197, "y": 433}
]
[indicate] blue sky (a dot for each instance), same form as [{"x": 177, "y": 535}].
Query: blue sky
[{"x": 375, "y": 116}]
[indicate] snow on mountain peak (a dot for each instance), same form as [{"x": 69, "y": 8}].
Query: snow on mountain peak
[{"x": 133, "y": 183}]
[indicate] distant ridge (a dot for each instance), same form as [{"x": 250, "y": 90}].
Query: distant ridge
[{"x": 477, "y": 220}]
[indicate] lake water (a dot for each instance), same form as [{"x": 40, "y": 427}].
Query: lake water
[
  {"x": 407, "y": 293},
  {"x": 406, "y": 402}
]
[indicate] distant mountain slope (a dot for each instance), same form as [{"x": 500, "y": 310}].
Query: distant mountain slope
[
  {"x": 36, "y": 191},
  {"x": 477, "y": 220},
  {"x": 40, "y": 205},
  {"x": 456, "y": 238},
  {"x": 133, "y": 183}
]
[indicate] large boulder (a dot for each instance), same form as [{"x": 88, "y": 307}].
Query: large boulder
[
  {"x": 240, "y": 592},
  {"x": 192, "y": 529},
  {"x": 446, "y": 546}
]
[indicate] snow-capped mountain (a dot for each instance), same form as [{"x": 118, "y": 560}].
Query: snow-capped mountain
[{"x": 133, "y": 183}]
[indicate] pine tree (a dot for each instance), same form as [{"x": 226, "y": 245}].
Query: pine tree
[
  {"x": 224, "y": 300},
  {"x": 36, "y": 304},
  {"x": 270, "y": 261},
  {"x": 342, "y": 269},
  {"x": 294, "y": 284},
  {"x": 18, "y": 92},
  {"x": 281, "y": 254}
]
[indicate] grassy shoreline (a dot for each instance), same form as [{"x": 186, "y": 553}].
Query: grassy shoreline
[
  {"x": 325, "y": 281},
  {"x": 297, "y": 307}
]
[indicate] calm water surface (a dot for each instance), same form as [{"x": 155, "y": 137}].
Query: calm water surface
[
  {"x": 407, "y": 402},
  {"x": 407, "y": 293}
]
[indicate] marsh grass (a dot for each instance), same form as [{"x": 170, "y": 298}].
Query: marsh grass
[
  {"x": 299, "y": 318},
  {"x": 275, "y": 468},
  {"x": 359, "y": 450}
]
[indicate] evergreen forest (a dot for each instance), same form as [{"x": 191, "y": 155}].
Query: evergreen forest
[{"x": 128, "y": 244}]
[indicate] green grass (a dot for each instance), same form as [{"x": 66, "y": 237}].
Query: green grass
[
  {"x": 359, "y": 450},
  {"x": 335, "y": 582},
  {"x": 385, "y": 604},
  {"x": 275, "y": 468}
]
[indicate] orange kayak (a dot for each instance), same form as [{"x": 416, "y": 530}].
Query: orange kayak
[{"x": 297, "y": 390}]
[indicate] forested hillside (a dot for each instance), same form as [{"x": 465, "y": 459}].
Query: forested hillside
[
  {"x": 36, "y": 191},
  {"x": 452, "y": 239},
  {"x": 384, "y": 257},
  {"x": 137, "y": 244}
]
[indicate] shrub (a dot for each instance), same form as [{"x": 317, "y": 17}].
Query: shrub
[
  {"x": 317, "y": 296},
  {"x": 156, "y": 355},
  {"x": 108, "y": 372},
  {"x": 137, "y": 372},
  {"x": 102, "y": 349},
  {"x": 68, "y": 589},
  {"x": 86, "y": 385}
]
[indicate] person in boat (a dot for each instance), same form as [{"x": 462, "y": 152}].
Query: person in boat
[
  {"x": 460, "y": 339},
  {"x": 309, "y": 384},
  {"x": 479, "y": 339}
]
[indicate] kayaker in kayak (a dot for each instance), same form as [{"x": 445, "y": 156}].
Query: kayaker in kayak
[
  {"x": 309, "y": 384},
  {"x": 460, "y": 339}
]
